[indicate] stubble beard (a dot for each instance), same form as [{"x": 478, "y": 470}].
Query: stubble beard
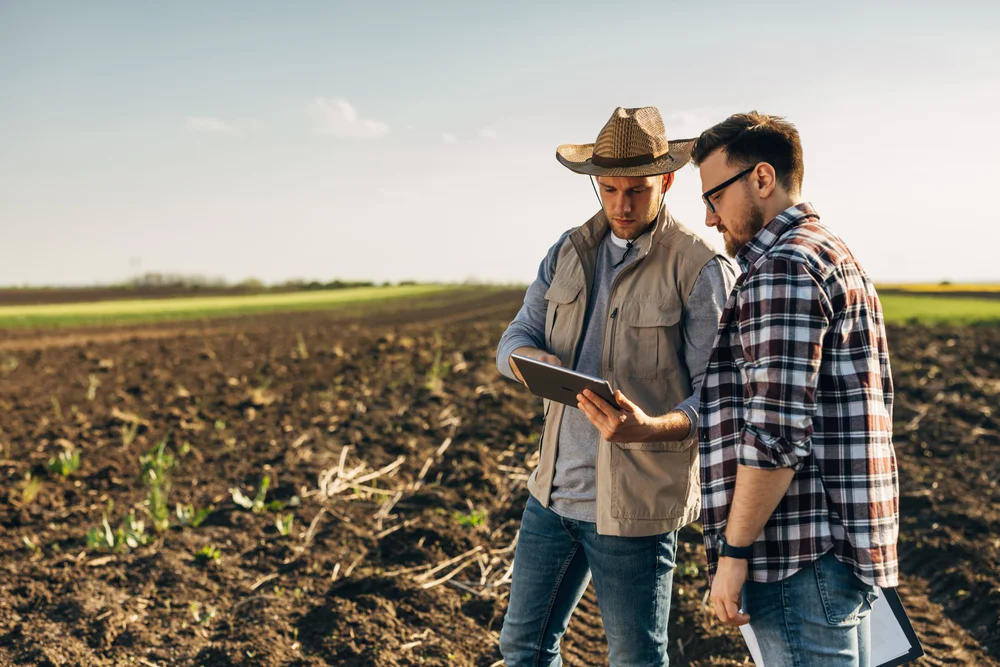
[{"x": 751, "y": 224}]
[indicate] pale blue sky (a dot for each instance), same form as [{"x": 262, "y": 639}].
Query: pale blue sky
[{"x": 398, "y": 140}]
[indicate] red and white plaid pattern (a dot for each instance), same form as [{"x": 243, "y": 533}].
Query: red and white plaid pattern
[{"x": 800, "y": 378}]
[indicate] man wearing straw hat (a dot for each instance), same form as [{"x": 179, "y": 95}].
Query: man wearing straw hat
[{"x": 634, "y": 297}]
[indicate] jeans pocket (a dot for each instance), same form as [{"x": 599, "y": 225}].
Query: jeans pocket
[{"x": 844, "y": 596}]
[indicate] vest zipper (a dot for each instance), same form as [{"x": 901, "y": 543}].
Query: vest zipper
[
  {"x": 614, "y": 325},
  {"x": 613, "y": 315}
]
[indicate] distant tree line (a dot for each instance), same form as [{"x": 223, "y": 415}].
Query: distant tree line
[
  {"x": 153, "y": 280},
  {"x": 333, "y": 284}
]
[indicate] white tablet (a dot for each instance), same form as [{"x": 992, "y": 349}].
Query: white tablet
[{"x": 560, "y": 384}]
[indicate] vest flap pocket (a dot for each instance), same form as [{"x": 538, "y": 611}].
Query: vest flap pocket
[
  {"x": 650, "y": 484},
  {"x": 648, "y": 341},
  {"x": 651, "y": 313},
  {"x": 562, "y": 291},
  {"x": 663, "y": 446}
]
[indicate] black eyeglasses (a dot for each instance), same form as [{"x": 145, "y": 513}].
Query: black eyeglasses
[{"x": 723, "y": 186}]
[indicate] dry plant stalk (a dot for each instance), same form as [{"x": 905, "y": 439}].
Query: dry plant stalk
[{"x": 338, "y": 480}]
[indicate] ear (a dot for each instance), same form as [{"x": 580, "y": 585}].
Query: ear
[
  {"x": 668, "y": 180},
  {"x": 764, "y": 180}
]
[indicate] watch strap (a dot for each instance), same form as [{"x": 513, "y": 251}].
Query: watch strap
[{"x": 729, "y": 551}]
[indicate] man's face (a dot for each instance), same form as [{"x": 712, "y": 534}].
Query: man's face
[
  {"x": 630, "y": 203},
  {"x": 737, "y": 216}
]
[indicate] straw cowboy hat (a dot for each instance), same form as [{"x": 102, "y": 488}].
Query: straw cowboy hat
[{"x": 633, "y": 143}]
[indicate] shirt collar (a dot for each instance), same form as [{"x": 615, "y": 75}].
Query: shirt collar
[
  {"x": 767, "y": 237},
  {"x": 621, "y": 243}
]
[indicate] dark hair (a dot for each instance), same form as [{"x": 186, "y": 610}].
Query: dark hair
[{"x": 749, "y": 138}]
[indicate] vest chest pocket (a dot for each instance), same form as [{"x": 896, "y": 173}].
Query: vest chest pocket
[
  {"x": 649, "y": 339},
  {"x": 562, "y": 296}
]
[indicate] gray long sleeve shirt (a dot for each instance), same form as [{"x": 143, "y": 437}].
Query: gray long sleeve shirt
[{"x": 574, "y": 483}]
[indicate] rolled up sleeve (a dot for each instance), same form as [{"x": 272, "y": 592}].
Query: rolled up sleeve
[{"x": 783, "y": 318}]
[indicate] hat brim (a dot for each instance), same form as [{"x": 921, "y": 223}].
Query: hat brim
[{"x": 579, "y": 158}]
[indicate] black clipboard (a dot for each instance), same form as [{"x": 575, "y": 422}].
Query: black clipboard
[{"x": 915, "y": 650}]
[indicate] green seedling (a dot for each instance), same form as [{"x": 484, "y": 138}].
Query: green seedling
[
  {"x": 199, "y": 617},
  {"x": 435, "y": 376},
  {"x": 131, "y": 535},
  {"x": 65, "y": 464},
  {"x": 156, "y": 466},
  {"x": 190, "y": 517},
  {"x": 208, "y": 554},
  {"x": 129, "y": 431},
  {"x": 30, "y": 489},
  {"x": 29, "y": 544},
  {"x": 472, "y": 519},
  {"x": 283, "y": 522},
  {"x": 256, "y": 504},
  {"x": 135, "y": 532},
  {"x": 56, "y": 408},
  {"x": 278, "y": 505},
  {"x": 101, "y": 538}
]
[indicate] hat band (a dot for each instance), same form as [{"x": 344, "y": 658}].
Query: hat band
[{"x": 613, "y": 162}]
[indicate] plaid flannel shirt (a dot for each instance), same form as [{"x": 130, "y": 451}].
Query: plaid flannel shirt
[{"x": 799, "y": 378}]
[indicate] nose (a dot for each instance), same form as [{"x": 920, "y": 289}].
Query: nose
[
  {"x": 711, "y": 219},
  {"x": 622, "y": 206}
]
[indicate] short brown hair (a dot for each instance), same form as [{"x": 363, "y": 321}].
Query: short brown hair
[{"x": 749, "y": 138}]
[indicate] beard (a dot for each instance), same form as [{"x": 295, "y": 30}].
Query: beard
[
  {"x": 635, "y": 230},
  {"x": 752, "y": 221}
]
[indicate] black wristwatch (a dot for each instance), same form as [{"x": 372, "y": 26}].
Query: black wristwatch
[{"x": 729, "y": 551}]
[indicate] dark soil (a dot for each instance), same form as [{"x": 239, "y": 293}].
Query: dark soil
[{"x": 353, "y": 584}]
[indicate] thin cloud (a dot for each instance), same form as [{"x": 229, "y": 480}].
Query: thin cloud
[
  {"x": 338, "y": 118},
  {"x": 685, "y": 124},
  {"x": 212, "y": 125},
  {"x": 488, "y": 133},
  {"x": 449, "y": 138},
  {"x": 207, "y": 124}
]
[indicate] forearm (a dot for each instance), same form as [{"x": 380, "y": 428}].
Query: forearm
[
  {"x": 757, "y": 494},
  {"x": 671, "y": 427},
  {"x": 534, "y": 353},
  {"x": 517, "y": 337}
]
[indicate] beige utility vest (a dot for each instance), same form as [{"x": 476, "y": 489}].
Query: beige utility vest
[{"x": 643, "y": 488}]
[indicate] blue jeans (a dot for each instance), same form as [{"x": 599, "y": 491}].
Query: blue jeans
[
  {"x": 553, "y": 564},
  {"x": 819, "y": 616}
]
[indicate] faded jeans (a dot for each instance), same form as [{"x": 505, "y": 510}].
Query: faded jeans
[
  {"x": 554, "y": 562},
  {"x": 820, "y": 616}
]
